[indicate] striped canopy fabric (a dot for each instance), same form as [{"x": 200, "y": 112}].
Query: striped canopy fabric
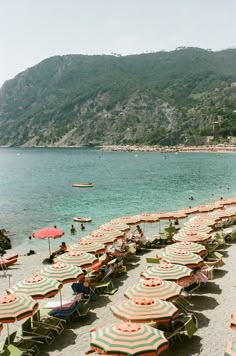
[
  {"x": 188, "y": 246},
  {"x": 89, "y": 246},
  {"x": 154, "y": 288},
  {"x": 190, "y": 226},
  {"x": 129, "y": 339},
  {"x": 77, "y": 258},
  {"x": 146, "y": 218},
  {"x": 116, "y": 234},
  {"x": 38, "y": 287},
  {"x": 129, "y": 220},
  {"x": 181, "y": 257},
  {"x": 192, "y": 236},
  {"x": 206, "y": 219},
  {"x": 144, "y": 310},
  {"x": 101, "y": 238},
  {"x": 62, "y": 272},
  {"x": 188, "y": 211},
  {"x": 229, "y": 201},
  {"x": 169, "y": 272},
  {"x": 117, "y": 225},
  {"x": 231, "y": 349},
  {"x": 15, "y": 307}
]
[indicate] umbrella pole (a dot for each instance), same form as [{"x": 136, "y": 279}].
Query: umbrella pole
[
  {"x": 49, "y": 246},
  {"x": 8, "y": 334},
  {"x": 60, "y": 298}
]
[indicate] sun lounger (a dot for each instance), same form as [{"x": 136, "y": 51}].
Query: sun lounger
[
  {"x": 48, "y": 321},
  {"x": 38, "y": 332},
  {"x": 25, "y": 344},
  {"x": 12, "y": 350},
  {"x": 104, "y": 287},
  {"x": 76, "y": 310},
  {"x": 183, "y": 325},
  {"x": 152, "y": 260}
]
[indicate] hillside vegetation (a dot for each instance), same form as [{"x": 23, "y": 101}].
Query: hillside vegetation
[{"x": 162, "y": 98}]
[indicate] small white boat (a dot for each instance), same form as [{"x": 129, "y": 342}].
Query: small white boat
[
  {"x": 78, "y": 219},
  {"x": 82, "y": 185}
]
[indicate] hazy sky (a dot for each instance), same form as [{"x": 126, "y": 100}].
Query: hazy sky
[{"x": 32, "y": 30}]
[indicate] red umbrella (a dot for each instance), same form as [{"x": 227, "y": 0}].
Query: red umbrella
[{"x": 48, "y": 233}]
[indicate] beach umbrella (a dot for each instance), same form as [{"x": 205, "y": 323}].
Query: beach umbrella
[
  {"x": 181, "y": 257},
  {"x": 231, "y": 349},
  {"x": 188, "y": 246},
  {"x": 101, "y": 238},
  {"x": 223, "y": 214},
  {"x": 147, "y": 218},
  {"x": 190, "y": 226},
  {"x": 206, "y": 208},
  {"x": 188, "y": 211},
  {"x": 38, "y": 287},
  {"x": 128, "y": 339},
  {"x": 89, "y": 246},
  {"x": 192, "y": 236},
  {"x": 62, "y": 272},
  {"x": 77, "y": 258},
  {"x": 170, "y": 272},
  {"x": 115, "y": 234},
  {"x": 154, "y": 288},
  {"x": 48, "y": 233},
  {"x": 205, "y": 220},
  {"x": 117, "y": 225},
  {"x": 228, "y": 201},
  {"x": 14, "y": 307},
  {"x": 129, "y": 220},
  {"x": 144, "y": 310}
]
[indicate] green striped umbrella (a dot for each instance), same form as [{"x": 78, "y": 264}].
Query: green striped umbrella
[
  {"x": 170, "y": 272},
  {"x": 154, "y": 288},
  {"x": 117, "y": 225},
  {"x": 15, "y": 307},
  {"x": 38, "y": 287},
  {"x": 231, "y": 349},
  {"x": 77, "y": 258},
  {"x": 116, "y": 234},
  {"x": 89, "y": 246},
  {"x": 62, "y": 272},
  {"x": 101, "y": 238},
  {"x": 181, "y": 257},
  {"x": 144, "y": 310},
  {"x": 192, "y": 236},
  {"x": 190, "y": 226},
  {"x": 129, "y": 339},
  {"x": 188, "y": 246}
]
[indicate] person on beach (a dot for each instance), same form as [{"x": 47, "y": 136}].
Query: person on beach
[
  {"x": 62, "y": 249},
  {"x": 72, "y": 229},
  {"x": 139, "y": 230}
]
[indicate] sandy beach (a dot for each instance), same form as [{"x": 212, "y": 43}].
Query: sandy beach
[{"x": 212, "y": 304}]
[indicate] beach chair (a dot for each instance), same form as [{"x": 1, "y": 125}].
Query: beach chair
[
  {"x": 75, "y": 310},
  {"x": 24, "y": 344},
  {"x": 152, "y": 260},
  {"x": 191, "y": 288},
  {"x": 12, "y": 350},
  {"x": 48, "y": 321},
  {"x": 104, "y": 287},
  {"x": 182, "y": 304},
  {"x": 37, "y": 332}
]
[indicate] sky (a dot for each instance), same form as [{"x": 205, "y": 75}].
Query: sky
[{"x": 33, "y": 30}]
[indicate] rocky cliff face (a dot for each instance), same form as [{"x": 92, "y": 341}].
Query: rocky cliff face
[
  {"x": 5, "y": 242},
  {"x": 158, "y": 98}
]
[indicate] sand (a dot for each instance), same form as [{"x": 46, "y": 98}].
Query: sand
[{"x": 212, "y": 304}]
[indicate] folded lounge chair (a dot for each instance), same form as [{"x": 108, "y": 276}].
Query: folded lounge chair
[{"x": 37, "y": 332}]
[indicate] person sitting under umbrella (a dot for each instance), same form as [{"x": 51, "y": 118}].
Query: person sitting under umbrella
[{"x": 60, "y": 251}]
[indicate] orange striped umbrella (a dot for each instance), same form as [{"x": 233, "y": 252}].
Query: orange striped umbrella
[
  {"x": 188, "y": 246},
  {"x": 129, "y": 220},
  {"x": 15, "y": 307},
  {"x": 181, "y": 257},
  {"x": 38, "y": 287},
  {"x": 170, "y": 272},
  {"x": 188, "y": 211},
  {"x": 116, "y": 234},
  {"x": 147, "y": 218},
  {"x": 191, "y": 226},
  {"x": 128, "y": 339},
  {"x": 192, "y": 236},
  {"x": 229, "y": 201},
  {"x": 101, "y": 238},
  {"x": 89, "y": 246},
  {"x": 144, "y": 310},
  {"x": 64, "y": 273},
  {"x": 154, "y": 288},
  {"x": 231, "y": 349},
  {"x": 77, "y": 258},
  {"x": 117, "y": 225}
]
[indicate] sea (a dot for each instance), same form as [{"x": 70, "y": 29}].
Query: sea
[{"x": 36, "y": 186}]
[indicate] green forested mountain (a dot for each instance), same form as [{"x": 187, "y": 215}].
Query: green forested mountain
[{"x": 163, "y": 98}]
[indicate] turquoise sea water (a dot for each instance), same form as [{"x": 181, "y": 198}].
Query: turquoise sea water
[{"x": 36, "y": 192}]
